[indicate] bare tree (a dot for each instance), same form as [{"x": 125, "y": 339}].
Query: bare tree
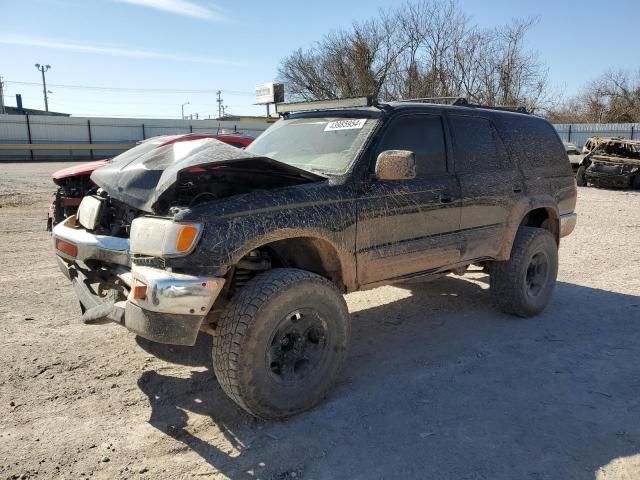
[
  {"x": 612, "y": 98},
  {"x": 345, "y": 63},
  {"x": 427, "y": 48}
]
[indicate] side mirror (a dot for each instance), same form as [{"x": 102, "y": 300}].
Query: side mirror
[{"x": 396, "y": 165}]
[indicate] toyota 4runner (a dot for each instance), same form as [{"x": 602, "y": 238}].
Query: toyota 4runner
[{"x": 257, "y": 247}]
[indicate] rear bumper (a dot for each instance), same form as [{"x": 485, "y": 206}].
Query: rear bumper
[
  {"x": 567, "y": 223},
  {"x": 173, "y": 307}
]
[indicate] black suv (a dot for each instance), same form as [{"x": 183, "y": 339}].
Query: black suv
[{"x": 257, "y": 247}]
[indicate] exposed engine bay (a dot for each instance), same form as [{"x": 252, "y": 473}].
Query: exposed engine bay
[{"x": 192, "y": 172}]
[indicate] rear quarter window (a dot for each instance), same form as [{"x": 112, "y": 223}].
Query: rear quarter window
[{"x": 535, "y": 143}]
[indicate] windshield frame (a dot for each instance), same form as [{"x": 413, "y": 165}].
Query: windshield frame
[{"x": 368, "y": 113}]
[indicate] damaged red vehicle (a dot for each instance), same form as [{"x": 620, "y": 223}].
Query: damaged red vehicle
[{"x": 75, "y": 182}]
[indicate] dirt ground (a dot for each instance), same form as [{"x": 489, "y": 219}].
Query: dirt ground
[{"x": 438, "y": 384}]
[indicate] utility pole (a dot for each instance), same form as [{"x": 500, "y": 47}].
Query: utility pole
[
  {"x": 1, "y": 96},
  {"x": 182, "y": 106},
  {"x": 220, "y": 107},
  {"x": 43, "y": 69}
]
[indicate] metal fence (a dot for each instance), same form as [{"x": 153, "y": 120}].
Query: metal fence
[
  {"x": 79, "y": 138},
  {"x": 92, "y": 133},
  {"x": 578, "y": 133}
]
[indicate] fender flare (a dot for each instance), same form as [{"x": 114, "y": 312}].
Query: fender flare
[
  {"x": 346, "y": 260},
  {"x": 519, "y": 212}
]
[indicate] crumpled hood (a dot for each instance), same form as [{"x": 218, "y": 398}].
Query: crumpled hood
[{"x": 147, "y": 181}]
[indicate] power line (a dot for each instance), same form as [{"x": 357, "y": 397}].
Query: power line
[{"x": 132, "y": 89}]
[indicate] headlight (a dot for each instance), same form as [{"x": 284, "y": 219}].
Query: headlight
[
  {"x": 160, "y": 237},
  {"x": 635, "y": 169}
]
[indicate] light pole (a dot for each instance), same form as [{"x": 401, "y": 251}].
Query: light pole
[
  {"x": 185, "y": 103},
  {"x": 42, "y": 69}
]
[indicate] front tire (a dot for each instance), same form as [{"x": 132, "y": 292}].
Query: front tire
[
  {"x": 523, "y": 284},
  {"x": 281, "y": 342}
]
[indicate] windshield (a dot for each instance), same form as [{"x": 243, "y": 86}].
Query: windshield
[{"x": 319, "y": 144}]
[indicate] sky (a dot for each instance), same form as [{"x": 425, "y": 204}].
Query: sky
[{"x": 145, "y": 58}]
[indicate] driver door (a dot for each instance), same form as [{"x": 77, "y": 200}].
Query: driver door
[{"x": 407, "y": 227}]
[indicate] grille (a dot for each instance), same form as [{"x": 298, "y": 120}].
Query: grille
[{"x": 154, "y": 262}]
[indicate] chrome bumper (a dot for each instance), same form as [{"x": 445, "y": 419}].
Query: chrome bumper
[
  {"x": 567, "y": 223},
  {"x": 172, "y": 308},
  {"x": 175, "y": 293},
  {"x": 90, "y": 246}
]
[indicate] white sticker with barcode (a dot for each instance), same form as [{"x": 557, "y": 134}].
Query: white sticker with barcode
[{"x": 346, "y": 124}]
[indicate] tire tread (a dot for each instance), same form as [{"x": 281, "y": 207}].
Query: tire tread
[
  {"x": 505, "y": 276},
  {"x": 239, "y": 317}
]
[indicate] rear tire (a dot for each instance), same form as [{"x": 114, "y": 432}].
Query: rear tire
[
  {"x": 281, "y": 342},
  {"x": 581, "y": 177},
  {"x": 635, "y": 184},
  {"x": 523, "y": 284}
]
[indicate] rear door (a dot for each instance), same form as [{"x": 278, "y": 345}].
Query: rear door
[
  {"x": 490, "y": 184},
  {"x": 409, "y": 226}
]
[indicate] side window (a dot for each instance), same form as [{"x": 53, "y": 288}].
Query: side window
[
  {"x": 536, "y": 143},
  {"x": 476, "y": 145},
  {"x": 424, "y": 136}
]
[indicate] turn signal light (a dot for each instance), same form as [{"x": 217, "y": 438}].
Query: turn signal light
[
  {"x": 139, "y": 291},
  {"x": 185, "y": 238},
  {"x": 66, "y": 247}
]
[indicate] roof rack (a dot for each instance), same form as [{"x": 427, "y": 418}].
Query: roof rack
[
  {"x": 369, "y": 101},
  {"x": 352, "y": 102},
  {"x": 449, "y": 100},
  {"x": 463, "y": 102}
]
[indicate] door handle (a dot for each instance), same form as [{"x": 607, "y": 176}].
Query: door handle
[
  {"x": 517, "y": 189},
  {"x": 445, "y": 198}
]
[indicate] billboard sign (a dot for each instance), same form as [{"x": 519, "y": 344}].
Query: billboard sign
[{"x": 269, "y": 93}]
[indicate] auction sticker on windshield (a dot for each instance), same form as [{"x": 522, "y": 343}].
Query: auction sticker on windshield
[{"x": 346, "y": 124}]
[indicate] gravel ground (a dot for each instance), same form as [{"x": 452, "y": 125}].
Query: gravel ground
[{"x": 438, "y": 383}]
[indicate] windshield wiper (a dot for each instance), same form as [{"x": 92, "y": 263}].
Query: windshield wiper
[{"x": 320, "y": 172}]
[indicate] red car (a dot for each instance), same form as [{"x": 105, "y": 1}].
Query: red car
[{"x": 75, "y": 182}]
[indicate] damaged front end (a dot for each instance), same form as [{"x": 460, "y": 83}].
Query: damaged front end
[
  {"x": 613, "y": 173},
  {"x": 115, "y": 284},
  {"x": 117, "y": 250},
  {"x": 614, "y": 162}
]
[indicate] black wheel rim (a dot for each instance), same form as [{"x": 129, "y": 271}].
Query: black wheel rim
[
  {"x": 297, "y": 347},
  {"x": 537, "y": 274}
]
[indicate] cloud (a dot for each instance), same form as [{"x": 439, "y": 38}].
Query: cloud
[
  {"x": 111, "y": 50},
  {"x": 179, "y": 7}
]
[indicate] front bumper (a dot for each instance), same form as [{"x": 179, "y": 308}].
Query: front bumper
[
  {"x": 171, "y": 311},
  {"x": 567, "y": 223}
]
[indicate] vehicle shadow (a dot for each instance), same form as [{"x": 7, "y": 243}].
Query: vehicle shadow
[{"x": 438, "y": 385}]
